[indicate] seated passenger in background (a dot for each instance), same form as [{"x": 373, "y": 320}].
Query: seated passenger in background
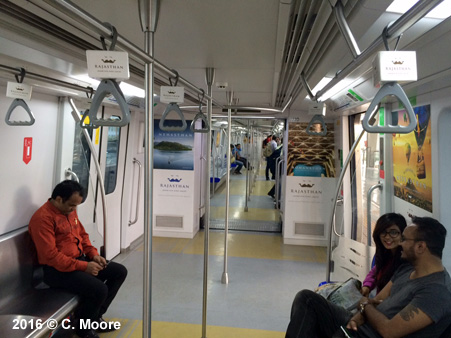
[
  {"x": 70, "y": 261},
  {"x": 387, "y": 237},
  {"x": 414, "y": 304},
  {"x": 233, "y": 159},
  {"x": 240, "y": 158}
]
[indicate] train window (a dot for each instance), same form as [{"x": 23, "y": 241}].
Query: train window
[
  {"x": 112, "y": 151},
  {"x": 82, "y": 157}
]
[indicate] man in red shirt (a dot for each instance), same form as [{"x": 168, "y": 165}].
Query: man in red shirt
[{"x": 70, "y": 261}]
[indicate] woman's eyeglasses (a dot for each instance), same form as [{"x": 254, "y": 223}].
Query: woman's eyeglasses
[{"x": 392, "y": 233}]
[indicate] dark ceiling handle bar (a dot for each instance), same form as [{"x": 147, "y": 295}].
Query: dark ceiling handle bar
[
  {"x": 39, "y": 77},
  {"x": 391, "y": 88},
  {"x": 345, "y": 30},
  {"x": 67, "y": 8},
  {"x": 420, "y": 9},
  {"x": 315, "y": 120},
  {"x": 200, "y": 116}
]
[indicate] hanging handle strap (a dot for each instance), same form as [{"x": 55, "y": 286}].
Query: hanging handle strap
[
  {"x": 19, "y": 103},
  {"x": 200, "y": 116},
  {"x": 317, "y": 119},
  {"x": 106, "y": 87},
  {"x": 175, "y": 108},
  {"x": 391, "y": 88}
]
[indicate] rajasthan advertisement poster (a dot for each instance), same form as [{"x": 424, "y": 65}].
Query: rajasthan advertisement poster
[{"x": 412, "y": 165}]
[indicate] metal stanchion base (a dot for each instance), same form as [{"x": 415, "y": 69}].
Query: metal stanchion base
[
  {"x": 246, "y": 209},
  {"x": 225, "y": 278}
]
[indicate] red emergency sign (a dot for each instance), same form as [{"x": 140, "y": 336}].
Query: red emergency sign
[{"x": 27, "y": 147}]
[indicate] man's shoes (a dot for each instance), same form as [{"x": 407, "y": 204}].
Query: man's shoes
[
  {"x": 272, "y": 195},
  {"x": 88, "y": 334},
  {"x": 105, "y": 326},
  {"x": 267, "y": 178},
  {"x": 238, "y": 173}
]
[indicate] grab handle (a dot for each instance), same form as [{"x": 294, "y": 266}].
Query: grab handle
[
  {"x": 19, "y": 103},
  {"x": 315, "y": 119},
  {"x": 200, "y": 116},
  {"x": 138, "y": 192},
  {"x": 106, "y": 87},
  {"x": 391, "y": 88},
  {"x": 172, "y": 107}
]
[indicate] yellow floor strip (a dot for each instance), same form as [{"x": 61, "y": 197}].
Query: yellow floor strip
[
  {"x": 253, "y": 214},
  {"x": 133, "y": 329},
  {"x": 240, "y": 244}
]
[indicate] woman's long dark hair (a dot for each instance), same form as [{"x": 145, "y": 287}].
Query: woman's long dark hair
[{"x": 384, "y": 256}]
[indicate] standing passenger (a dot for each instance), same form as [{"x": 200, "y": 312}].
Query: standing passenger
[{"x": 70, "y": 261}]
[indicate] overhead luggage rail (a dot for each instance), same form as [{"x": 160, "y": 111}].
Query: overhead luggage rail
[
  {"x": 19, "y": 103},
  {"x": 391, "y": 88},
  {"x": 315, "y": 120}
]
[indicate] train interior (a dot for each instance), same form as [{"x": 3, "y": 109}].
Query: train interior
[{"x": 229, "y": 247}]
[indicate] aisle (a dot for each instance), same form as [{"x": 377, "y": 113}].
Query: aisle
[{"x": 261, "y": 215}]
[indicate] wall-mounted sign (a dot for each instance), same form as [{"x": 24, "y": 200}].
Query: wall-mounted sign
[
  {"x": 106, "y": 64},
  {"x": 27, "y": 149},
  {"x": 18, "y": 91}
]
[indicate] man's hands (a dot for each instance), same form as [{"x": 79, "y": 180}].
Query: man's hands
[
  {"x": 359, "y": 319},
  {"x": 98, "y": 263}
]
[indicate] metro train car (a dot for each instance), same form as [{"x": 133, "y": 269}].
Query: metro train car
[{"x": 233, "y": 152}]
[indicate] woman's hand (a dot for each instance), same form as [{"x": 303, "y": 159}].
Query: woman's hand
[{"x": 365, "y": 291}]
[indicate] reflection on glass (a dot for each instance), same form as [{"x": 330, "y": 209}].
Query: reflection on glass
[
  {"x": 112, "y": 151},
  {"x": 82, "y": 157}
]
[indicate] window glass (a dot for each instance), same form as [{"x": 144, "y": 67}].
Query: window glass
[
  {"x": 112, "y": 151},
  {"x": 82, "y": 157}
]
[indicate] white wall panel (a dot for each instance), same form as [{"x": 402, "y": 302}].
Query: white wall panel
[{"x": 25, "y": 187}]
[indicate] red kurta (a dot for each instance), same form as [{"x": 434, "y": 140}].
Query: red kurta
[{"x": 60, "y": 239}]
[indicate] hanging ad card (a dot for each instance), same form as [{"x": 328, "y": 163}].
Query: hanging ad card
[
  {"x": 18, "y": 91},
  {"x": 171, "y": 94},
  {"x": 106, "y": 64}
]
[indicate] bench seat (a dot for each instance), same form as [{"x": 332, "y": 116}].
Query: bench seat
[{"x": 23, "y": 295}]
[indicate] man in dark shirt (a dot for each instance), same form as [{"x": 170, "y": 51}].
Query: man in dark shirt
[
  {"x": 70, "y": 261},
  {"x": 415, "y": 303}
]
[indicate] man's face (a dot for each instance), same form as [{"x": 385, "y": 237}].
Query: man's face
[
  {"x": 408, "y": 241},
  {"x": 70, "y": 205},
  {"x": 238, "y": 147}
]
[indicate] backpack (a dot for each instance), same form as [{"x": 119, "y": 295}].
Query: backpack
[{"x": 267, "y": 151}]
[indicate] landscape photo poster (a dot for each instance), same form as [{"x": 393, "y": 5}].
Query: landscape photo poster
[
  {"x": 412, "y": 163},
  {"x": 173, "y": 150}
]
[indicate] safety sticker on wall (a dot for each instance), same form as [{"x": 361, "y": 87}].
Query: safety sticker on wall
[{"x": 27, "y": 147}]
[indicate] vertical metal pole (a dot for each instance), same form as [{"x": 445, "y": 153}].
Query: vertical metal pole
[
  {"x": 209, "y": 77},
  {"x": 225, "y": 274},
  {"x": 246, "y": 208},
  {"x": 148, "y": 10}
]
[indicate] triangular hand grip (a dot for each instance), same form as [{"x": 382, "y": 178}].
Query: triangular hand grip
[
  {"x": 172, "y": 107},
  {"x": 106, "y": 87},
  {"x": 315, "y": 120},
  {"x": 391, "y": 88},
  {"x": 19, "y": 103},
  {"x": 200, "y": 116}
]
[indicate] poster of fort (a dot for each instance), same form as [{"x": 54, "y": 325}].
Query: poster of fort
[{"x": 412, "y": 167}]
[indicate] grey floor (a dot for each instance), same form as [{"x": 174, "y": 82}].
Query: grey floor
[{"x": 258, "y": 296}]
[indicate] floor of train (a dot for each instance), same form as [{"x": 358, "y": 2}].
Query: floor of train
[{"x": 264, "y": 275}]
